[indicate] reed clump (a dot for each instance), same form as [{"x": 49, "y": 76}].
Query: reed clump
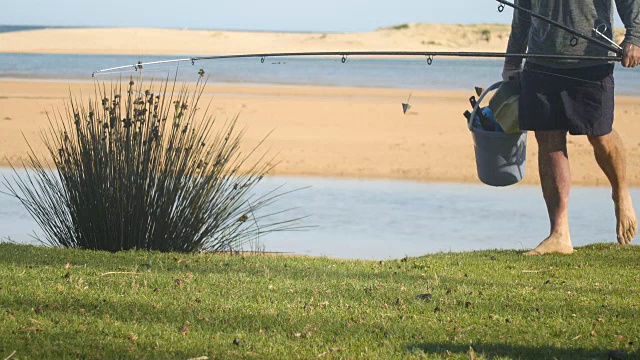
[{"x": 138, "y": 169}]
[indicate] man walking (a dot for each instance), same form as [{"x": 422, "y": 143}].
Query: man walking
[{"x": 575, "y": 97}]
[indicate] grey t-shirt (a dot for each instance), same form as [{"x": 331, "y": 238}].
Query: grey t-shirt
[{"x": 541, "y": 37}]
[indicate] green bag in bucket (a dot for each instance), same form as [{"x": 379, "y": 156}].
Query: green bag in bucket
[{"x": 500, "y": 157}]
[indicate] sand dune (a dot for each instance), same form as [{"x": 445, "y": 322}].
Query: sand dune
[
  {"x": 146, "y": 41},
  {"x": 410, "y": 37}
]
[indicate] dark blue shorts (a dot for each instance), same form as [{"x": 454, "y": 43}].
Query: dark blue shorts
[{"x": 580, "y": 100}]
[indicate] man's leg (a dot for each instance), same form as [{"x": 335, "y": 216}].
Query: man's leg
[
  {"x": 555, "y": 179},
  {"x": 611, "y": 158}
]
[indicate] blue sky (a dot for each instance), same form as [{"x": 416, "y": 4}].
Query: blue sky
[{"x": 281, "y": 15}]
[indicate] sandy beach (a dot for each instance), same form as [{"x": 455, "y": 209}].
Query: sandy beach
[
  {"x": 143, "y": 41},
  {"x": 316, "y": 131}
]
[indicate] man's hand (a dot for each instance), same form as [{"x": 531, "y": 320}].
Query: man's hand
[
  {"x": 630, "y": 55},
  {"x": 511, "y": 71}
]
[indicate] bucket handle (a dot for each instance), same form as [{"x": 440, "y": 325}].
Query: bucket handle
[{"x": 482, "y": 96}]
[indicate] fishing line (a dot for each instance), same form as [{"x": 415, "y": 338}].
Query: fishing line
[
  {"x": 563, "y": 76},
  {"x": 166, "y": 69}
]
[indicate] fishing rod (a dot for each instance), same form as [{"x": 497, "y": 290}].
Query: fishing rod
[
  {"x": 611, "y": 46},
  {"x": 344, "y": 54},
  {"x": 576, "y": 34}
]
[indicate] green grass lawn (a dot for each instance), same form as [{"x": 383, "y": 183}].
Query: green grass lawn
[{"x": 57, "y": 303}]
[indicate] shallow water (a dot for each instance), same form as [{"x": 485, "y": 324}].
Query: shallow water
[
  {"x": 406, "y": 73},
  {"x": 377, "y": 219}
]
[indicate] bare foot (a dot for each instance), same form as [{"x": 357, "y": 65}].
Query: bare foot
[
  {"x": 554, "y": 244},
  {"x": 627, "y": 223}
]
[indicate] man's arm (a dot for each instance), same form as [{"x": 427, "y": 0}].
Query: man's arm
[
  {"x": 629, "y": 11},
  {"x": 518, "y": 40}
]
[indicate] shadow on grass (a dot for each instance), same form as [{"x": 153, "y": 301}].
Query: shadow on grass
[{"x": 491, "y": 351}]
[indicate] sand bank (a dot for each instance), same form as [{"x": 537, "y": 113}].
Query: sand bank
[
  {"x": 143, "y": 41},
  {"x": 359, "y": 133}
]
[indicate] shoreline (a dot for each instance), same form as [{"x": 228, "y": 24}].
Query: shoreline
[{"x": 358, "y": 133}]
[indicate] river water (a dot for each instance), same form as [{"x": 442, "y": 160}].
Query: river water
[
  {"x": 379, "y": 219},
  {"x": 406, "y": 73}
]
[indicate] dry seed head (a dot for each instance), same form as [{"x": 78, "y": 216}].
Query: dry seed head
[{"x": 108, "y": 141}]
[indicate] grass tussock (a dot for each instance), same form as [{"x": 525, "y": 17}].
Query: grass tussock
[
  {"x": 141, "y": 166},
  {"x": 61, "y": 303}
]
